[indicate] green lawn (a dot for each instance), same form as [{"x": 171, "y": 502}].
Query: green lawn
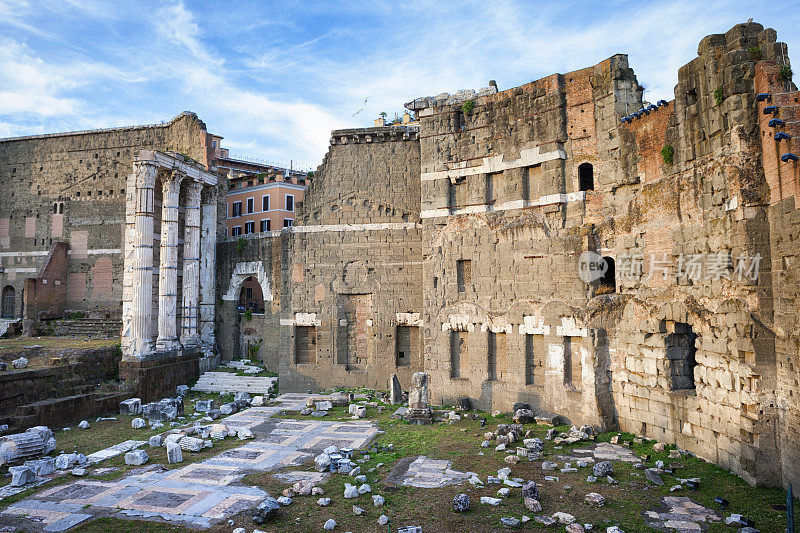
[{"x": 459, "y": 442}]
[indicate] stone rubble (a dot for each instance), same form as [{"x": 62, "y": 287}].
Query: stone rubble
[
  {"x": 21, "y": 475},
  {"x": 174, "y": 453},
  {"x": 34, "y": 442},
  {"x": 136, "y": 457}
]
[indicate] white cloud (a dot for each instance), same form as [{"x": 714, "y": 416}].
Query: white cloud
[
  {"x": 29, "y": 85},
  {"x": 275, "y": 79},
  {"x": 176, "y": 23}
]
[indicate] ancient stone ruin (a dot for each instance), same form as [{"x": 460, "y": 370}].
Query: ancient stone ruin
[{"x": 564, "y": 244}]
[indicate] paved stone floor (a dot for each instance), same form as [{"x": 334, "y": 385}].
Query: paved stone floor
[
  {"x": 681, "y": 514},
  {"x": 200, "y": 493}
]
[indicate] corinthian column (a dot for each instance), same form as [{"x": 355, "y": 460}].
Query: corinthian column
[
  {"x": 141, "y": 307},
  {"x": 208, "y": 262},
  {"x": 168, "y": 275},
  {"x": 191, "y": 267}
]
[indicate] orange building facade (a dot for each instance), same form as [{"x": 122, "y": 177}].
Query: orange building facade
[
  {"x": 261, "y": 197},
  {"x": 255, "y": 207}
]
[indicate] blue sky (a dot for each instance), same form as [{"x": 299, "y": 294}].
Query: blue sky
[{"x": 275, "y": 77}]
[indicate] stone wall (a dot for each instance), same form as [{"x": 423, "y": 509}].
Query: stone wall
[
  {"x": 507, "y": 318},
  {"x": 70, "y": 187},
  {"x": 344, "y": 281},
  {"x": 518, "y": 228},
  {"x": 63, "y": 393}
]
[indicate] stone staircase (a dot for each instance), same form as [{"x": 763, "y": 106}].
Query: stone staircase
[
  {"x": 5, "y": 323},
  {"x": 95, "y": 327},
  {"x": 226, "y": 382}
]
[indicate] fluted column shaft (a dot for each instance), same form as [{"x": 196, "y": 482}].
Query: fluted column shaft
[
  {"x": 168, "y": 271},
  {"x": 141, "y": 311},
  {"x": 208, "y": 266},
  {"x": 190, "y": 310}
]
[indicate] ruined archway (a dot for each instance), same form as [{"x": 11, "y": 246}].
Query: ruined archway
[
  {"x": 241, "y": 272},
  {"x": 242, "y": 316},
  {"x": 251, "y": 296}
]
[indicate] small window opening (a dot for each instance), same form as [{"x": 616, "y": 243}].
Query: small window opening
[
  {"x": 494, "y": 183},
  {"x": 586, "y": 177},
  {"x": 305, "y": 344},
  {"x": 530, "y": 366},
  {"x": 463, "y": 274},
  {"x": 572, "y": 366},
  {"x": 608, "y": 283},
  {"x": 459, "y": 123},
  {"x": 407, "y": 343},
  {"x": 681, "y": 353},
  {"x": 691, "y": 97},
  {"x": 497, "y": 349}
]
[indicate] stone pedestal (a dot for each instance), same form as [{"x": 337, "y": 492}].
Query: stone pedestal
[
  {"x": 160, "y": 373},
  {"x": 419, "y": 412}
]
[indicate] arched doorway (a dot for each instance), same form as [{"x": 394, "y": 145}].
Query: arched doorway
[
  {"x": 8, "y": 302},
  {"x": 237, "y": 325},
  {"x": 251, "y": 297},
  {"x": 251, "y": 323}
]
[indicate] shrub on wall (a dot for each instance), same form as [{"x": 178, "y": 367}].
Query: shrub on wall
[
  {"x": 785, "y": 73},
  {"x": 755, "y": 53},
  {"x": 719, "y": 95},
  {"x": 241, "y": 244},
  {"x": 468, "y": 106},
  {"x": 667, "y": 153},
  {"x": 254, "y": 348}
]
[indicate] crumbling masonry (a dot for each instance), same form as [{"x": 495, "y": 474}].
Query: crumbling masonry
[
  {"x": 454, "y": 248},
  {"x": 459, "y": 247}
]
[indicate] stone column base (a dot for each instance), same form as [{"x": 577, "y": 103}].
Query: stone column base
[{"x": 158, "y": 375}]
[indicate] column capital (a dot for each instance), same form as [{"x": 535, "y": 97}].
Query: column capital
[
  {"x": 194, "y": 191},
  {"x": 171, "y": 181},
  {"x": 210, "y": 194},
  {"x": 146, "y": 173}
]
